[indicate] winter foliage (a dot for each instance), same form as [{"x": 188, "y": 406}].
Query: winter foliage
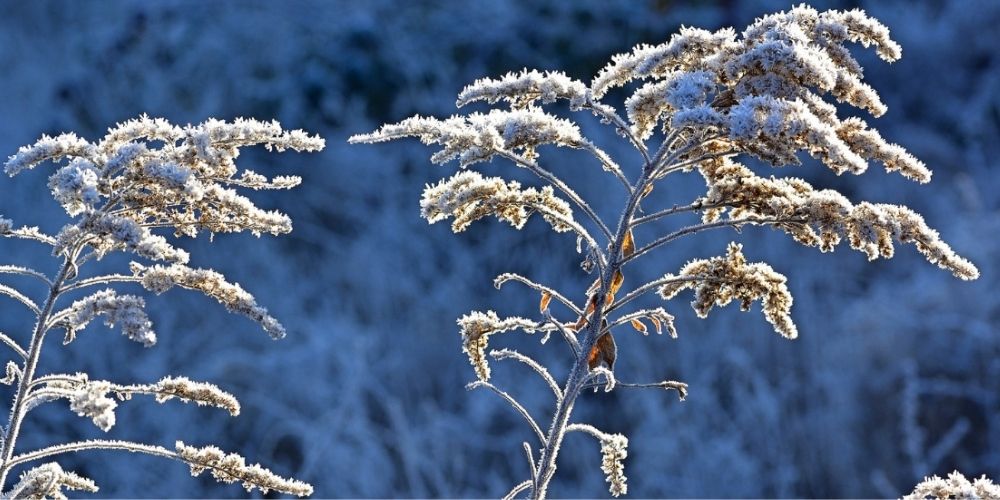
[
  {"x": 893, "y": 375},
  {"x": 119, "y": 193},
  {"x": 714, "y": 96}
]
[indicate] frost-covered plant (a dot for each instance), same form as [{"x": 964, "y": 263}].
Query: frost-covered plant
[
  {"x": 955, "y": 487},
  {"x": 144, "y": 176},
  {"x": 714, "y": 96}
]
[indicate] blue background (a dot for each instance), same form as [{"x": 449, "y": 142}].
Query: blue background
[{"x": 894, "y": 376}]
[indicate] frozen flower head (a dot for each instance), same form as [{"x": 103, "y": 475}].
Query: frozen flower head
[
  {"x": 614, "y": 449},
  {"x": 48, "y": 481},
  {"x": 956, "y": 486},
  {"x": 699, "y": 102},
  {"x": 720, "y": 280},
  {"x": 148, "y": 174},
  {"x": 476, "y": 328}
]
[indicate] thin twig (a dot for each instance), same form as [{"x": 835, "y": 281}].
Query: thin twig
[
  {"x": 94, "y": 444},
  {"x": 499, "y": 354},
  {"x": 511, "y": 401},
  {"x": 13, "y": 345},
  {"x": 697, "y": 205},
  {"x": 100, "y": 280},
  {"x": 711, "y": 225},
  {"x": 680, "y": 387},
  {"x": 567, "y": 335},
  {"x": 587, "y": 429},
  {"x": 634, "y": 294},
  {"x": 20, "y": 297},
  {"x": 505, "y": 277},
  {"x": 559, "y": 184},
  {"x": 25, "y": 272},
  {"x": 609, "y": 113},
  {"x": 517, "y": 489},
  {"x": 608, "y": 164}
]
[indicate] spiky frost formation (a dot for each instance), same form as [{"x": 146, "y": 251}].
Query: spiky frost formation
[
  {"x": 524, "y": 88},
  {"x": 122, "y": 186},
  {"x": 231, "y": 468},
  {"x": 90, "y": 400},
  {"x": 679, "y": 91},
  {"x": 187, "y": 390},
  {"x": 720, "y": 280},
  {"x": 48, "y": 481},
  {"x": 124, "y": 311},
  {"x": 478, "y": 137},
  {"x": 823, "y": 218},
  {"x": 764, "y": 90},
  {"x": 232, "y": 296},
  {"x": 468, "y": 196},
  {"x": 955, "y": 487},
  {"x": 476, "y": 328},
  {"x": 614, "y": 449},
  {"x": 91, "y": 396}
]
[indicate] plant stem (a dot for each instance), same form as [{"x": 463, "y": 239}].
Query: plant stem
[
  {"x": 18, "y": 409},
  {"x": 580, "y": 371}
]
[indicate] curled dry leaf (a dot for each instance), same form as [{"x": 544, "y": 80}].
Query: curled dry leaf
[
  {"x": 603, "y": 353},
  {"x": 544, "y": 303}
]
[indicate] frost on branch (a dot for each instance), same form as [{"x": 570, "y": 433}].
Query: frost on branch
[
  {"x": 231, "y": 468},
  {"x": 49, "y": 148},
  {"x": 614, "y": 449},
  {"x": 764, "y": 90},
  {"x": 692, "y": 48},
  {"x": 107, "y": 233},
  {"x": 92, "y": 400},
  {"x": 478, "y": 137},
  {"x": 202, "y": 393},
  {"x": 476, "y": 328},
  {"x": 826, "y": 216},
  {"x": 89, "y": 399},
  {"x": 233, "y": 297},
  {"x": 678, "y": 91},
  {"x": 955, "y": 487},
  {"x": 48, "y": 481},
  {"x": 720, "y": 280},
  {"x": 522, "y": 89},
  {"x": 468, "y": 196},
  {"x": 123, "y": 186},
  {"x": 124, "y": 311}
]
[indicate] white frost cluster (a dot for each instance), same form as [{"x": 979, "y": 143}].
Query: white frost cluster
[
  {"x": 825, "y": 217},
  {"x": 187, "y": 390},
  {"x": 478, "y": 137},
  {"x": 75, "y": 186},
  {"x": 91, "y": 400},
  {"x": 524, "y": 88},
  {"x": 124, "y": 311},
  {"x": 126, "y": 184},
  {"x": 232, "y": 296},
  {"x": 468, "y": 196},
  {"x": 955, "y": 487},
  {"x": 47, "y": 481},
  {"x": 107, "y": 233},
  {"x": 679, "y": 91},
  {"x": 614, "y": 449},
  {"x": 49, "y": 148},
  {"x": 231, "y": 468},
  {"x": 476, "y": 328},
  {"x": 720, "y": 280}
]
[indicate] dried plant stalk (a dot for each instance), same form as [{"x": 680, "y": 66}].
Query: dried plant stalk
[{"x": 146, "y": 174}]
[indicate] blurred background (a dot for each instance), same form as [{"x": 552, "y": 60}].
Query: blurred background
[{"x": 896, "y": 373}]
